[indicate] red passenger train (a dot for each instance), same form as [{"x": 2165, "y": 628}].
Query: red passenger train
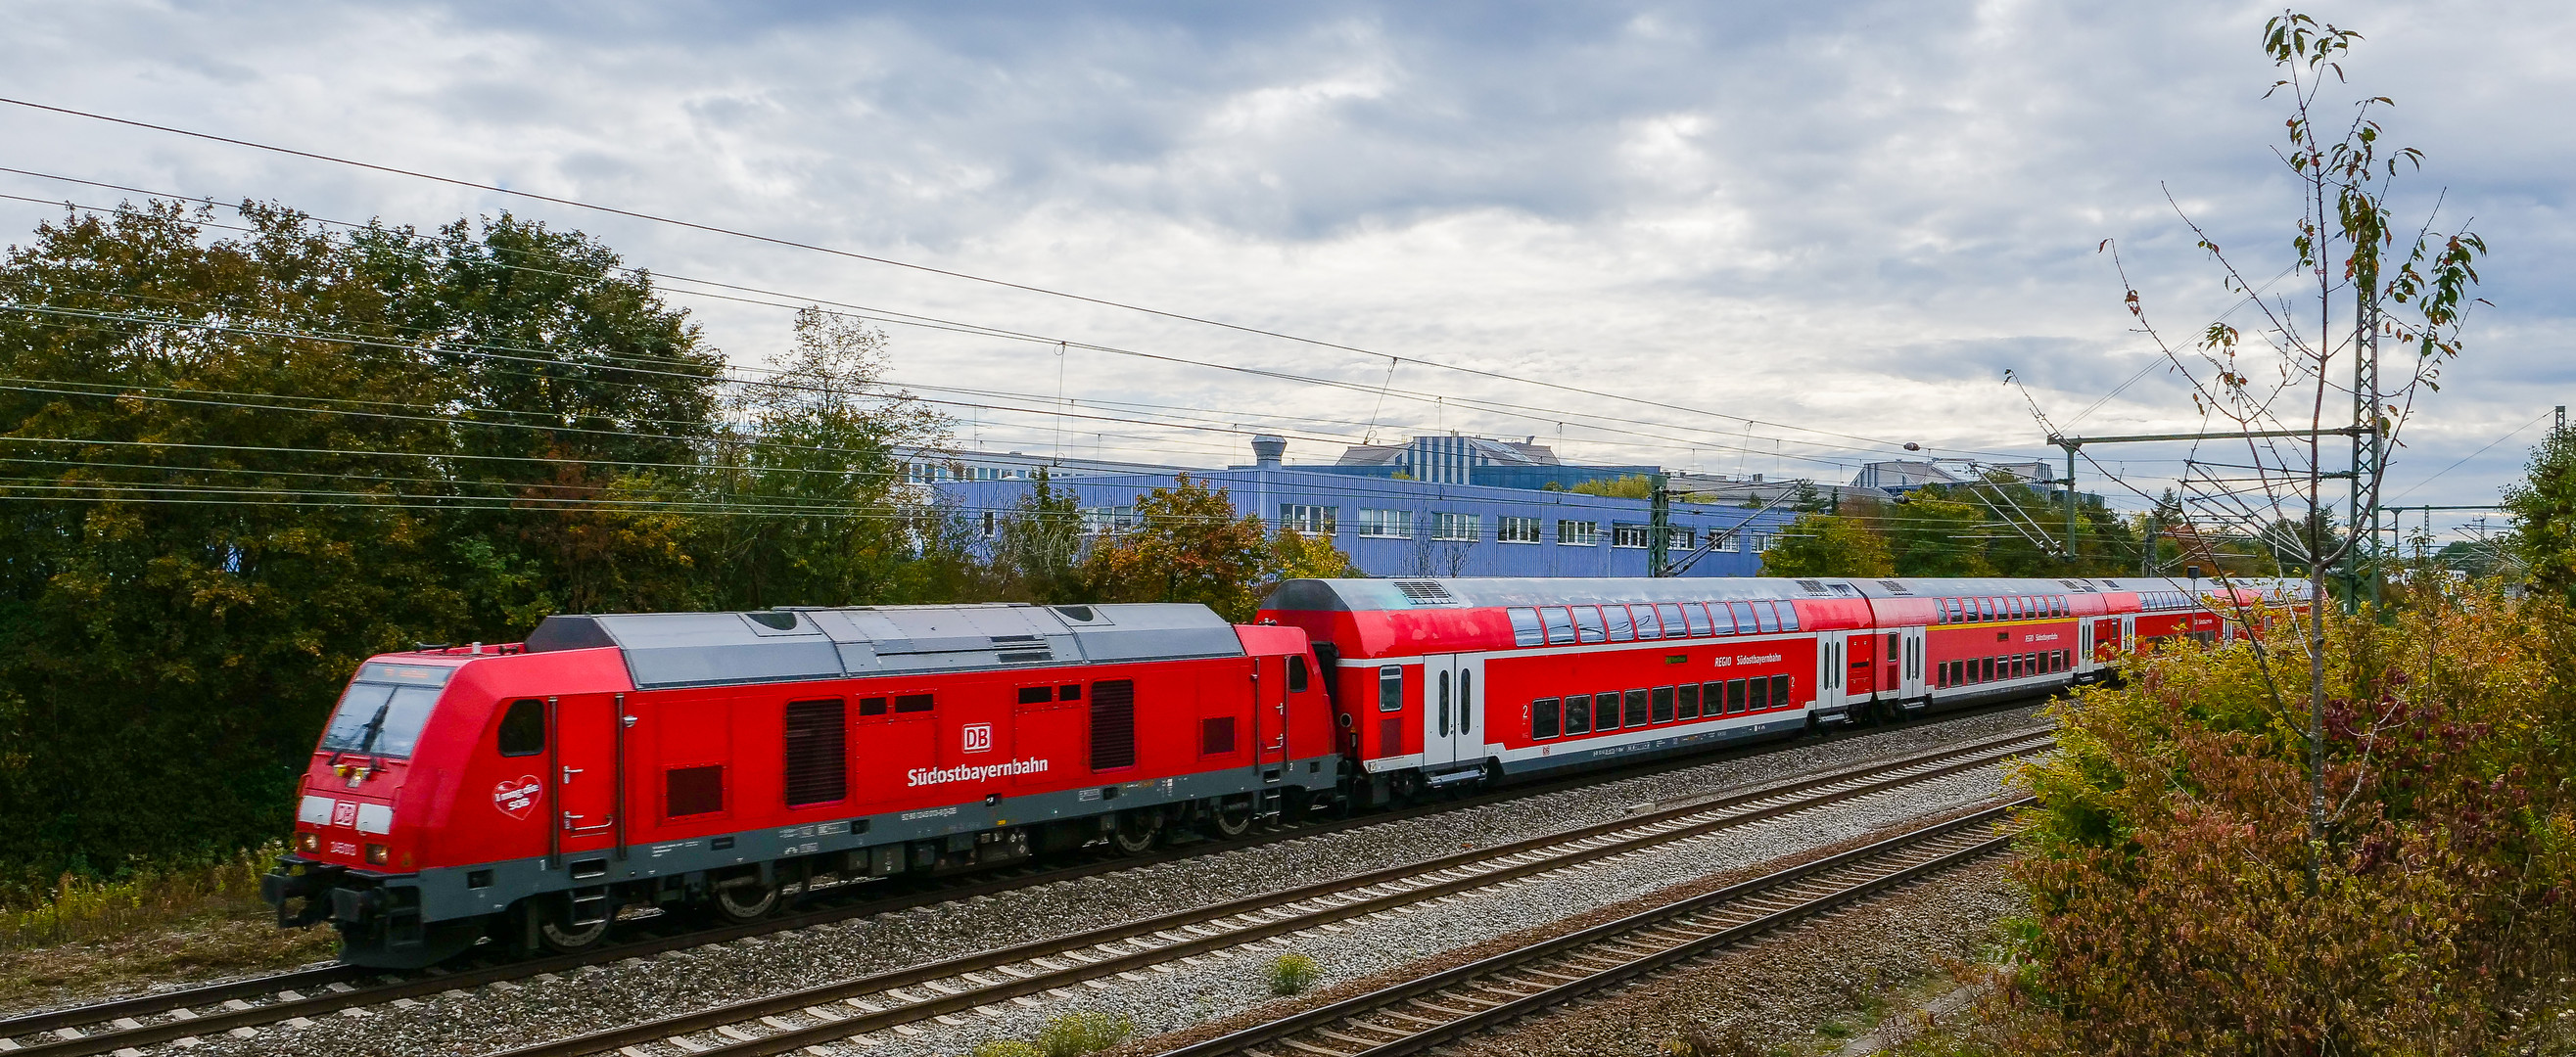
[{"x": 709, "y": 761}]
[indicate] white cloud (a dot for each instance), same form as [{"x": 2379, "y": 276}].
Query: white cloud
[{"x": 1851, "y": 218}]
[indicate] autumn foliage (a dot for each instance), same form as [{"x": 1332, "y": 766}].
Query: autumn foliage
[{"x": 2175, "y": 906}]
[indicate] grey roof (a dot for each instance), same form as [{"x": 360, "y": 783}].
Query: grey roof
[
  {"x": 1370, "y": 595},
  {"x": 1357, "y": 595},
  {"x": 708, "y": 649}
]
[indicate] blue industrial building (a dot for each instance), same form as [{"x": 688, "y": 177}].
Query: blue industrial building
[{"x": 1432, "y": 515}]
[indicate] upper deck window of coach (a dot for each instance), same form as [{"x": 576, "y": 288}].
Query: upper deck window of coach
[
  {"x": 1675, "y": 625},
  {"x": 384, "y": 709},
  {"x": 1649, "y": 626},
  {"x": 1587, "y": 625},
  {"x": 1743, "y": 617},
  {"x": 1620, "y": 629},
  {"x": 1985, "y": 609},
  {"x": 1560, "y": 625},
  {"x": 1525, "y": 628},
  {"x": 1765, "y": 617},
  {"x": 1696, "y": 615}
]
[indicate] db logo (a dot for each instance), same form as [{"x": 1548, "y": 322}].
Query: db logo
[
  {"x": 344, "y": 813},
  {"x": 979, "y": 737}
]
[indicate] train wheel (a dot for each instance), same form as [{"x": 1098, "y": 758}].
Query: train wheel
[
  {"x": 746, "y": 902},
  {"x": 1135, "y": 833},
  {"x": 1231, "y": 819},
  {"x": 556, "y": 933}
]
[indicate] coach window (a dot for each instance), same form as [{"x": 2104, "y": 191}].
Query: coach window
[
  {"x": 1649, "y": 626},
  {"x": 1605, "y": 711},
  {"x": 1525, "y": 628},
  {"x": 523, "y": 728},
  {"x": 1661, "y": 709},
  {"x": 1587, "y": 625},
  {"x": 1390, "y": 689},
  {"x": 1780, "y": 691},
  {"x": 1466, "y": 693},
  {"x": 1743, "y": 616},
  {"x": 1297, "y": 674},
  {"x": 1560, "y": 625},
  {"x": 1690, "y": 701},
  {"x": 1543, "y": 719},
  {"x": 1738, "y": 698},
  {"x": 1696, "y": 615},
  {"x": 1620, "y": 629},
  {"x": 1578, "y": 714},
  {"x": 1761, "y": 695},
  {"x": 1986, "y": 669},
  {"x": 1676, "y": 625},
  {"x": 1636, "y": 711},
  {"x": 1443, "y": 683},
  {"x": 1788, "y": 615},
  {"x": 1766, "y": 617}
]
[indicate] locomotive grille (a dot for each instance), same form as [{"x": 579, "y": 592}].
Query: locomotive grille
[
  {"x": 817, "y": 771},
  {"x": 1113, "y": 724},
  {"x": 1216, "y": 736},
  {"x": 1426, "y": 593},
  {"x": 1390, "y": 737}
]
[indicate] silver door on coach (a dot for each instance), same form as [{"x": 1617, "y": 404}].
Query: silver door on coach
[{"x": 1453, "y": 716}]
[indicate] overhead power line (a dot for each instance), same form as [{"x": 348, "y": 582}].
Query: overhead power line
[{"x": 929, "y": 269}]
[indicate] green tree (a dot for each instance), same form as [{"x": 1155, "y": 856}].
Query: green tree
[
  {"x": 806, "y": 493},
  {"x": 1038, "y": 547},
  {"x": 1189, "y": 546},
  {"x": 2543, "y": 507},
  {"x": 1296, "y": 556},
  {"x": 1627, "y": 486},
  {"x": 1826, "y": 545}
]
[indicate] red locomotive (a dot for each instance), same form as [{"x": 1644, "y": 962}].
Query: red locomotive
[{"x": 710, "y": 760}]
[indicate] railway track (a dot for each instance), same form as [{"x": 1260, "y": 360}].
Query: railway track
[
  {"x": 890, "y": 1002},
  {"x": 1419, "y": 1014},
  {"x": 249, "y": 1004}
]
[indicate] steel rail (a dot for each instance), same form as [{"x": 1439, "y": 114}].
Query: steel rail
[
  {"x": 1593, "y": 959},
  {"x": 51, "y": 1022},
  {"x": 113, "y": 1024},
  {"x": 841, "y": 1010}
]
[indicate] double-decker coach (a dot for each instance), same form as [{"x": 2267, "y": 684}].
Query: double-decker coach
[{"x": 1438, "y": 682}]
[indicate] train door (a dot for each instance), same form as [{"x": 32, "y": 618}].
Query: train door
[
  {"x": 1270, "y": 714},
  {"x": 1453, "y": 698},
  {"x": 1861, "y": 665},
  {"x": 1911, "y": 671},
  {"x": 586, "y": 770},
  {"x": 1829, "y": 671},
  {"x": 2083, "y": 647}
]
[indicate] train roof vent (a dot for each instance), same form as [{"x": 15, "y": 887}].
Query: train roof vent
[
  {"x": 1844, "y": 590},
  {"x": 1813, "y": 587},
  {"x": 1426, "y": 593},
  {"x": 2078, "y": 585},
  {"x": 1894, "y": 587}
]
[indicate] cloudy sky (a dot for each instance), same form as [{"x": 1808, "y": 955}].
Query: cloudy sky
[{"x": 1646, "y": 223}]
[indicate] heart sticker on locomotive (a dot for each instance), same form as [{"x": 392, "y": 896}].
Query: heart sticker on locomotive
[{"x": 517, "y": 797}]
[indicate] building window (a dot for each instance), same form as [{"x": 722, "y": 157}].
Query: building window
[
  {"x": 1517, "y": 530},
  {"x": 1682, "y": 539},
  {"x": 1099, "y": 519},
  {"x": 1386, "y": 523},
  {"x": 1724, "y": 541},
  {"x": 1309, "y": 520},
  {"x": 988, "y": 524},
  {"x": 1578, "y": 533},
  {"x": 1623, "y": 534},
  {"x": 1457, "y": 526}
]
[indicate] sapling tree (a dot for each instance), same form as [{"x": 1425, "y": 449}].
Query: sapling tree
[{"x": 2302, "y": 387}]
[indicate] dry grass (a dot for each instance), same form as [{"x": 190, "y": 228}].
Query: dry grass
[{"x": 79, "y": 938}]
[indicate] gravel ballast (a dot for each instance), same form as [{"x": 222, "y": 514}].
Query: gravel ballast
[{"x": 513, "y": 1014}]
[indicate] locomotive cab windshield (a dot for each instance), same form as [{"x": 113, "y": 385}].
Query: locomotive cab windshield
[{"x": 384, "y": 709}]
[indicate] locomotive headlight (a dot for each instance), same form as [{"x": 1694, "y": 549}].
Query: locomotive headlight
[
  {"x": 376, "y": 854},
  {"x": 308, "y": 841}
]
